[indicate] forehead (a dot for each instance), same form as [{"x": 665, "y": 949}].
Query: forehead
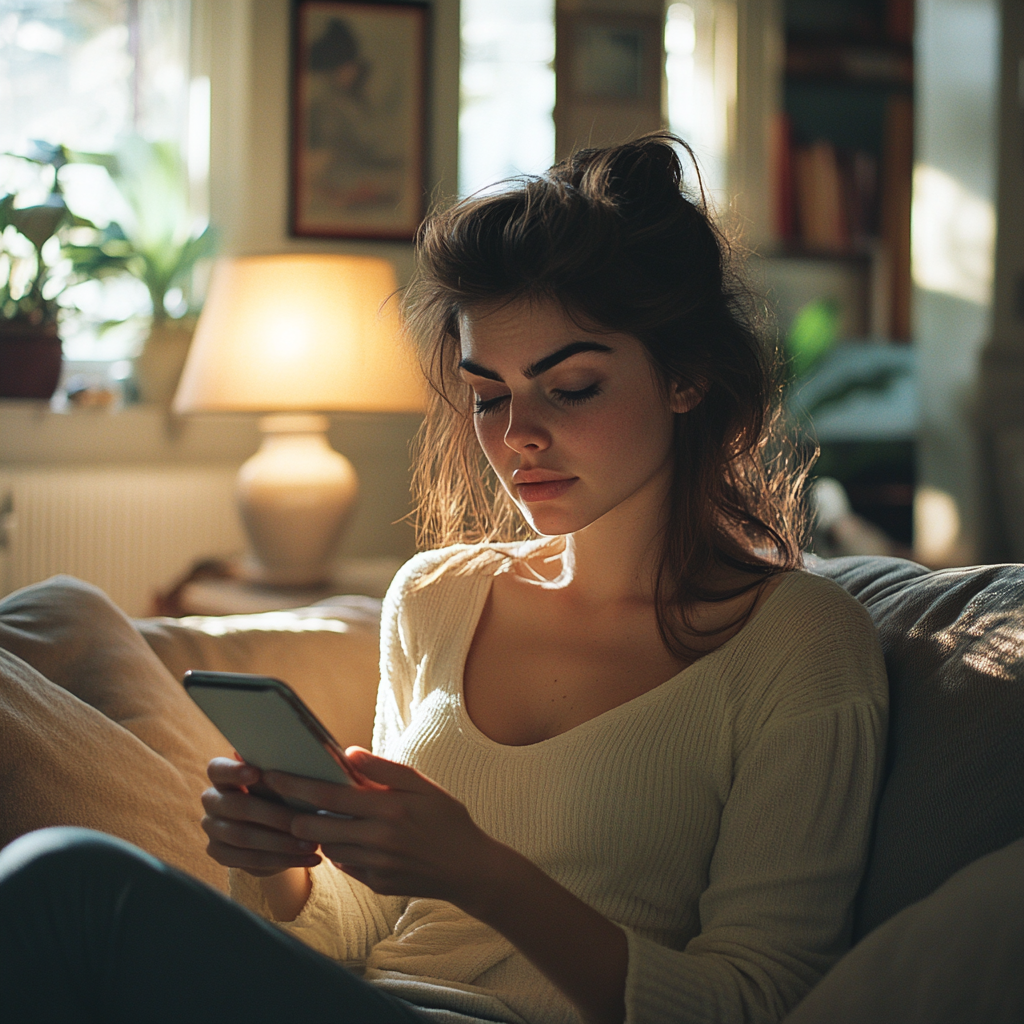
[{"x": 520, "y": 325}]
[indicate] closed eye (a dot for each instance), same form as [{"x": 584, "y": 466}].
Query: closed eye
[
  {"x": 580, "y": 396},
  {"x": 483, "y": 406}
]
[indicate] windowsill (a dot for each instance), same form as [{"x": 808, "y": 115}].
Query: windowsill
[{"x": 32, "y": 434}]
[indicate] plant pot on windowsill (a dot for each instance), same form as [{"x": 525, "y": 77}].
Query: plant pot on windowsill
[
  {"x": 158, "y": 366},
  {"x": 30, "y": 359}
]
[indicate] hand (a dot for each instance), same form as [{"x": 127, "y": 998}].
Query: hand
[
  {"x": 246, "y": 831},
  {"x": 406, "y": 835}
]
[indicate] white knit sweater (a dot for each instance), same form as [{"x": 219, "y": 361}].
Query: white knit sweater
[{"x": 720, "y": 819}]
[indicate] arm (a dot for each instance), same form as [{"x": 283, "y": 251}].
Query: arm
[
  {"x": 792, "y": 845},
  {"x": 413, "y": 837}
]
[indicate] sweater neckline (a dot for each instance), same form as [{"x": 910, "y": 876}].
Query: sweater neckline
[{"x": 482, "y": 589}]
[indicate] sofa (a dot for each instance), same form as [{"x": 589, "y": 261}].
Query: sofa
[{"x": 97, "y": 731}]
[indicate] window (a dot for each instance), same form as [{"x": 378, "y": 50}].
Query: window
[
  {"x": 88, "y": 75},
  {"x": 700, "y": 70},
  {"x": 506, "y": 124}
]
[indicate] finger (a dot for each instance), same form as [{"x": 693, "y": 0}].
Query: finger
[
  {"x": 368, "y": 832},
  {"x": 226, "y": 772},
  {"x": 367, "y": 857},
  {"x": 388, "y": 773},
  {"x": 339, "y": 798},
  {"x": 246, "y": 807},
  {"x": 258, "y": 862},
  {"x": 247, "y": 836}
]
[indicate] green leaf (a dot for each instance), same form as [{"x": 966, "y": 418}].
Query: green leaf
[
  {"x": 40, "y": 223},
  {"x": 6, "y": 206},
  {"x": 813, "y": 334}
]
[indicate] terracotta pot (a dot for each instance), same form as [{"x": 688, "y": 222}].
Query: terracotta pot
[
  {"x": 30, "y": 359},
  {"x": 159, "y": 365}
]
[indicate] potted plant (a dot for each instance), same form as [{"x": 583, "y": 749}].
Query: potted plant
[
  {"x": 31, "y": 279},
  {"x": 159, "y": 245}
]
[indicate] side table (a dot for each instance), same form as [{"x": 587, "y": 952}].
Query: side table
[{"x": 217, "y": 587}]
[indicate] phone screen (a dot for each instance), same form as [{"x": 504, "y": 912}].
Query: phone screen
[{"x": 268, "y": 725}]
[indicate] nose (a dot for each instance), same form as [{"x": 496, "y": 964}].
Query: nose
[{"x": 526, "y": 430}]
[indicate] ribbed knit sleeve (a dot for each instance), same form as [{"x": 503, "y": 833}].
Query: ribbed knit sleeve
[
  {"x": 791, "y": 847},
  {"x": 342, "y": 918}
]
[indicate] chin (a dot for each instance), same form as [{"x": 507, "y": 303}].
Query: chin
[{"x": 554, "y": 522}]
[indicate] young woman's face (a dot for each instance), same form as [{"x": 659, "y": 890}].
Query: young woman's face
[{"x": 574, "y": 423}]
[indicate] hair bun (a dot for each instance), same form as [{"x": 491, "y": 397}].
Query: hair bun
[{"x": 643, "y": 173}]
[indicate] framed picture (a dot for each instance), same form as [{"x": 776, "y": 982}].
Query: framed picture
[
  {"x": 610, "y": 58},
  {"x": 358, "y": 137}
]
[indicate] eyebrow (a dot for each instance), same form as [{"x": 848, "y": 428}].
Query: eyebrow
[{"x": 542, "y": 365}]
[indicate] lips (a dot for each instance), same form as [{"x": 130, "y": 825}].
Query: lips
[{"x": 540, "y": 484}]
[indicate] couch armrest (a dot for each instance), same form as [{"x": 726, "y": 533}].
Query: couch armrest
[{"x": 328, "y": 653}]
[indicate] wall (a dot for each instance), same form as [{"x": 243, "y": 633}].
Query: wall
[
  {"x": 955, "y": 108},
  {"x": 1001, "y": 410}
]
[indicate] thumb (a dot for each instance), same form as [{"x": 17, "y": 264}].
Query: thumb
[{"x": 387, "y": 773}]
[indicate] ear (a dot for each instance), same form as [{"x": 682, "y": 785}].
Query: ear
[{"x": 684, "y": 398}]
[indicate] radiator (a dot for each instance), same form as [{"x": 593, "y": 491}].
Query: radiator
[{"x": 131, "y": 531}]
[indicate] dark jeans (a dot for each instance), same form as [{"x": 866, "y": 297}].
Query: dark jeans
[{"x": 93, "y": 929}]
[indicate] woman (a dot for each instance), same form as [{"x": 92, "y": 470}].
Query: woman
[{"x": 625, "y": 751}]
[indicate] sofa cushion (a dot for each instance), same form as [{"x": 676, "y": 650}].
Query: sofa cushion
[
  {"x": 328, "y": 653},
  {"x": 95, "y": 731},
  {"x": 951, "y": 958},
  {"x": 954, "y": 788}
]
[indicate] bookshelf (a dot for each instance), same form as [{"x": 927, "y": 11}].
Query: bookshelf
[{"x": 842, "y": 148}]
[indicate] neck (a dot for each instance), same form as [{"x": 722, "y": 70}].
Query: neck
[{"x": 615, "y": 558}]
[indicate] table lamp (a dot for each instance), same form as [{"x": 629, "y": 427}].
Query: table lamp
[{"x": 294, "y": 337}]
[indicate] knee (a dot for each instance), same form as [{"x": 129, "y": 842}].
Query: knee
[{"x": 64, "y": 850}]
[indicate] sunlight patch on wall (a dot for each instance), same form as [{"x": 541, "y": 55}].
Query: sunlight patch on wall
[
  {"x": 936, "y": 526},
  {"x": 952, "y": 237}
]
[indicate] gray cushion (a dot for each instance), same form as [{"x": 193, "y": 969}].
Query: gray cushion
[
  {"x": 953, "y": 958},
  {"x": 954, "y": 789}
]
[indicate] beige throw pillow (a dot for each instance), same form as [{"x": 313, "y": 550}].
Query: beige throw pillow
[{"x": 94, "y": 731}]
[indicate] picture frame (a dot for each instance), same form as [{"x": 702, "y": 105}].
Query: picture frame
[
  {"x": 609, "y": 59},
  {"x": 358, "y": 119}
]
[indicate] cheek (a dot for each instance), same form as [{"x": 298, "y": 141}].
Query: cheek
[
  {"x": 637, "y": 434},
  {"x": 490, "y": 435}
]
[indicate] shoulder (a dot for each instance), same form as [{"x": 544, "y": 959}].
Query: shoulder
[
  {"x": 802, "y": 587},
  {"x": 435, "y": 588},
  {"x": 812, "y": 648},
  {"x": 821, "y": 612},
  {"x": 442, "y": 566}
]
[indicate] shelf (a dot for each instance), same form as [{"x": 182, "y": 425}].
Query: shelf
[
  {"x": 843, "y": 147},
  {"x": 828, "y": 62}
]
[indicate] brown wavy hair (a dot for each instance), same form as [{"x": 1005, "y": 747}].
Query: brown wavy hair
[{"x": 615, "y": 237}]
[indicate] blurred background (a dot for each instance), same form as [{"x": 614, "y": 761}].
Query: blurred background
[{"x": 867, "y": 154}]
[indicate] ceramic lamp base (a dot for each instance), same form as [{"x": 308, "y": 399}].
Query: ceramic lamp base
[{"x": 295, "y": 496}]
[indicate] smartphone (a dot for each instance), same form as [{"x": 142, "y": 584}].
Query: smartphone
[{"x": 270, "y": 728}]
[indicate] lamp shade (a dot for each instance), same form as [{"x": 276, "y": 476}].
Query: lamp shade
[{"x": 296, "y": 333}]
